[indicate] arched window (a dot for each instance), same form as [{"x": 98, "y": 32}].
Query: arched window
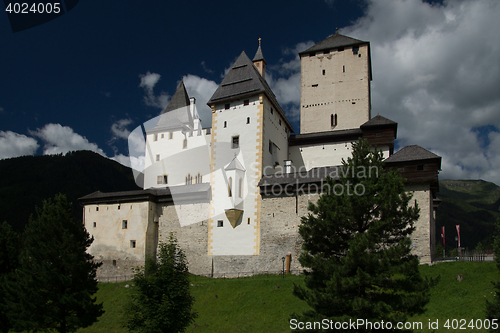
[
  {"x": 240, "y": 187},
  {"x": 198, "y": 178},
  {"x": 230, "y": 187},
  {"x": 189, "y": 179}
]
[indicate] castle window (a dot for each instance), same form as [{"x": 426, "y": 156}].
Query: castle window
[
  {"x": 280, "y": 122},
  {"x": 420, "y": 167},
  {"x": 240, "y": 188},
  {"x": 248, "y": 120},
  {"x": 185, "y": 144},
  {"x": 271, "y": 110},
  {"x": 189, "y": 179},
  {"x": 157, "y": 157},
  {"x": 114, "y": 263},
  {"x": 198, "y": 178},
  {"x": 333, "y": 120},
  {"x": 355, "y": 50},
  {"x": 124, "y": 224},
  {"x": 95, "y": 224},
  {"x": 209, "y": 131},
  {"x": 227, "y": 106},
  {"x": 324, "y": 72},
  {"x": 155, "y": 137},
  {"x": 97, "y": 209},
  {"x": 162, "y": 135},
  {"x": 132, "y": 243},
  {"x": 230, "y": 187},
  {"x": 159, "y": 180},
  {"x": 270, "y": 146},
  {"x": 225, "y": 124},
  {"x": 246, "y": 102},
  {"x": 220, "y": 223},
  {"x": 170, "y": 135},
  {"x": 235, "y": 142},
  {"x": 119, "y": 206},
  {"x": 343, "y": 69},
  {"x": 165, "y": 179},
  {"x": 248, "y": 221},
  {"x": 314, "y": 85}
]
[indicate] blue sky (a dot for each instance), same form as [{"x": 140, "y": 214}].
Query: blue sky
[{"x": 89, "y": 77}]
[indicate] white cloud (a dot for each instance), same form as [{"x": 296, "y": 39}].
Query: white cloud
[
  {"x": 148, "y": 82},
  {"x": 205, "y": 68},
  {"x": 436, "y": 71},
  {"x": 201, "y": 89},
  {"x": 119, "y": 128},
  {"x": 14, "y": 144},
  {"x": 62, "y": 139}
]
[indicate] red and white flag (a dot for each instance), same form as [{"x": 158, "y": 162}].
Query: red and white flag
[
  {"x": 458, "y": 232},
  {"x": 442, "y": 235}
]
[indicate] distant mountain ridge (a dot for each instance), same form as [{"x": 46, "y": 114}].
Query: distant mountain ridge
[
  {"x": 473, "y": 204},
  {"x": 28, "y": 180}
]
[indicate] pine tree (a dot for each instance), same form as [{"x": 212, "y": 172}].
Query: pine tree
[
  {"x": 356, "y": 250},
  {"x": 9, "y": 261},
  {"x": 163, "y": 301},
  {"x": 54, "y": 285},
  {"x": 493, "y": 307}
]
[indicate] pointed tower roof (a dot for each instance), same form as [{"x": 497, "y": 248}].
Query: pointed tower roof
[
  {"x": 244, "y": 80},
  {"x": 179, "y": 100},
  {"x": 235, "y": 165},
  {"x": 177, "y": 114},
  {"x": 258, "y": 55}
]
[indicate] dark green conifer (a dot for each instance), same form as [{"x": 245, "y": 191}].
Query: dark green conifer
[
  {"x": 54, "y": 286},
  {"x": 9, "y": 261},
  {"x": 357, "y": 250}
]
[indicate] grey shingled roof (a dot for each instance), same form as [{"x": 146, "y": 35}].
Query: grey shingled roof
[
  {"x": 378, "y": 120},
  {"x": 332, "y": 42},
  {"x": 244, "y": 80},
  {"x": 258, "y": 55},
  {"x": 411, "y": 153},
  {"x": 177, "y": 114},
  {"x": 179, "y": 100}
]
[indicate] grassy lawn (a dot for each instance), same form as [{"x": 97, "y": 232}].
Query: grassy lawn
[{"x": 264, "y": 303}]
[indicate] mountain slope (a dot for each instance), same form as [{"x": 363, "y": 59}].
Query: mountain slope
[
  {"x": 473, "y": 204},
  {"x": 26, "y": 181}
]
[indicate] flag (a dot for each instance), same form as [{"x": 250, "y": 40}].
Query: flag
[
  {"x": 442, "y": 235},
  {"x": 458, "y": 232}
]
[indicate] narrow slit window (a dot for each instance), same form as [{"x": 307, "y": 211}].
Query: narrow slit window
[
  {"x": 95, "y": 224},
  {"x": 225, "y": 124},
  {"x": 170, "y": 135},
  {"x": 155, "y": 137},
  {"x": 324, "y": 72},
  {"x": 165, "y": 179},
  {"x": 343, "y": 69},
  {"x": 248, "y": 221},
  {"x": 240, "y": 188},
  {"x": 184, "y": 144},
  {"x": 124, "y": 224},
  {"x": 157, "y": 157},
  {"x": 230, "y": 187},
  {"x": 114, "y": 263},
  {"x": 248, "y": 120}
]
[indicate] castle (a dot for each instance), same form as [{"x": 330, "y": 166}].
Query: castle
[{"x": 234, "y": 193}]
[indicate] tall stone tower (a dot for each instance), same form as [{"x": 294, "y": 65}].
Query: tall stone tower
[{"x": 335, "y": 85}]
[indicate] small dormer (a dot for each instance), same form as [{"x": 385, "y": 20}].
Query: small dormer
[{"x": 259, "y": 61}]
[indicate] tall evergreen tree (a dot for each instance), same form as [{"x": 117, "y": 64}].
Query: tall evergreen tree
[
  {"x": 54, "y": 285},
  {"x": 493, "y": 307},
  {"x": 163, "y": 301},
  {"x": 356, "y": 250},
  {"x": 9, "y": 261}
]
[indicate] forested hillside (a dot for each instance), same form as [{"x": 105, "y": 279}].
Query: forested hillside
[{"x": 26, "y": 181}]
